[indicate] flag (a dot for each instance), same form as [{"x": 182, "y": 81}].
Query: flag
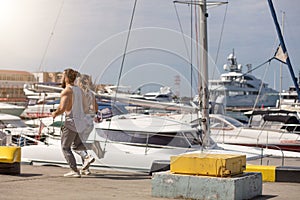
[
  {"x": 38, "y": 136},
  {"x": 280, "y": 55},
  {"x": 42, "y": 126}
]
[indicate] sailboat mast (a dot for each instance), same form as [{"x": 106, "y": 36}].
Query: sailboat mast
[
  {"x": 288, "y": 62},
  {"x": 204, "y": 71}
]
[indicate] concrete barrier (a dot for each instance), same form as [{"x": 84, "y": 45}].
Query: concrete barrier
[{"x": 244, "y": 186}]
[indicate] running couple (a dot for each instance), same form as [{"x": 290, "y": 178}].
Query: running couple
[{"x": 79, "y": 105}]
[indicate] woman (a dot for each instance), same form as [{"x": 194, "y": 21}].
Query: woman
[{"x": 90, "y": 107}]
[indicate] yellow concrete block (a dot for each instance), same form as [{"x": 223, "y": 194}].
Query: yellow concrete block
[
  {"x": 268, "y": 172},
  {"x": 10, "y": 154},
  {"x": 220, "y": 165}
]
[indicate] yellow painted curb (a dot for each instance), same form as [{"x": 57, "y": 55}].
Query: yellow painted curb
[
  {"x": 268, "y": 172},
  {"x": 10, "y": 154}
]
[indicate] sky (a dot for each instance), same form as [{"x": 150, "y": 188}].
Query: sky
[{"x": 90, "y": 36}]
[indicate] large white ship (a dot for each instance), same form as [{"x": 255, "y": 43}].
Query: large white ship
[{"x": 238, "y": 89}]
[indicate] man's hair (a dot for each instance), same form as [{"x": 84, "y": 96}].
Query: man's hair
[{"x": 71, "y": 74}]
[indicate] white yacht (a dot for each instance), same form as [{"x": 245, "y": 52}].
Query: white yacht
[
  {"x": 289, "y": 99},
  {"x": 239, "y": 89},
  {"x": 41, "y": 101},
  {"x": 16, "y": 130},
  {"x": 227, "y": 130},
  {"x": 33, "y": 111},
  {"x": 127, "y": 142},
  {"x": 164, "y": 94},
  {"x": 11, "y": 109}
]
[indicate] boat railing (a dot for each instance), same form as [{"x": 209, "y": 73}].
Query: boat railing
[
  {"x": 25, "y": 140},
  {"x": 18, "y": 140},
  {"x": 5, "y": 139},
  {"x": 275, "y": 147},
  {"x": 292, "y": 128}
]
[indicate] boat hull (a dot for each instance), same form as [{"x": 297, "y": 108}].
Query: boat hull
[
  {"x": 246, "y": 101},
  {"x": 287, "y": 147}
]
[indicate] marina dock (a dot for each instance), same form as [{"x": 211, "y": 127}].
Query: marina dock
[{"x": 47, "y": 182}]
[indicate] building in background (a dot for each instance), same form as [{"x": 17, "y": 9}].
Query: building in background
[
  {"x": 48, "y": 78},
  {"x": 11, "y": 85}
]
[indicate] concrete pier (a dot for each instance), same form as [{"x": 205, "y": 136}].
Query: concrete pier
[
  {"x": 48, "y": 183},
  {"x": 245, "y": 186}
]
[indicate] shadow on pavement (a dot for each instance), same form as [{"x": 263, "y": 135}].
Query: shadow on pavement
[
  {"x": 28, "y": 175},
  {"x": 119, "y": 176},
  {"x": 264, "y": 197}
]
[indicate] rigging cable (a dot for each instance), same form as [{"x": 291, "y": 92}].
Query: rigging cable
[
  {"x": 183, "y": 38},
  {"x": 122, "y": 65},
  {"x": 126, "y": 46},
  {"x": 260, "y": 88},
  {"x": 221, "y": 34},
  {"x": 220, "y": 39},
  {"x": 197, "y": 34},
  {"x": 191, "y": 75},
  {"x": 268, "y": 61},
  {"x": 181, "y": 29},
  {"x": 51, "y": 35}
]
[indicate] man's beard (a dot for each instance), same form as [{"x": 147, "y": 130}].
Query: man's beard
[{"x": 63, "y": 84}]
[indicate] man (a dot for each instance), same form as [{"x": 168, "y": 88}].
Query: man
[{"x": 71, "y": 103}]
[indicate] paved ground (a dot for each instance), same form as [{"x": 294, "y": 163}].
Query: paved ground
[{"x": 41, "y": 182}]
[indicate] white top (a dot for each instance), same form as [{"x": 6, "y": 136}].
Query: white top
[
  {"x": 76, "y": 119},
  {"x": 77, "y": 107}
]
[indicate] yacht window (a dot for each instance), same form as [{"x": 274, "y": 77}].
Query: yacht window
[
  {"x": 118, "y": 136},
  {"x": 234, "y": 122},
  {"x": 150, "y": 95},
  {"x": 164, "y": 139},
  {"x": 250, "y": 86},
  {"x": 162, "y": 96},
  {"x": 179, "y": 140},
  {"x": 248, "y": 78},
  {"x": 217, "y": 123},
  {"x": 192, "y": 138}
]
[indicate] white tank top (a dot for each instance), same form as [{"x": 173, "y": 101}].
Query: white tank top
[
  {"x": 76, "y": 119},
  {"x": 77, "y": 107}
]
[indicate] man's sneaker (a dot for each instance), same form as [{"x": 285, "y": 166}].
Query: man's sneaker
[
  {"x": 85, "y": 172},
  {"x": 72, "y": 174},
  {"x": 87, "y": 161}
]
